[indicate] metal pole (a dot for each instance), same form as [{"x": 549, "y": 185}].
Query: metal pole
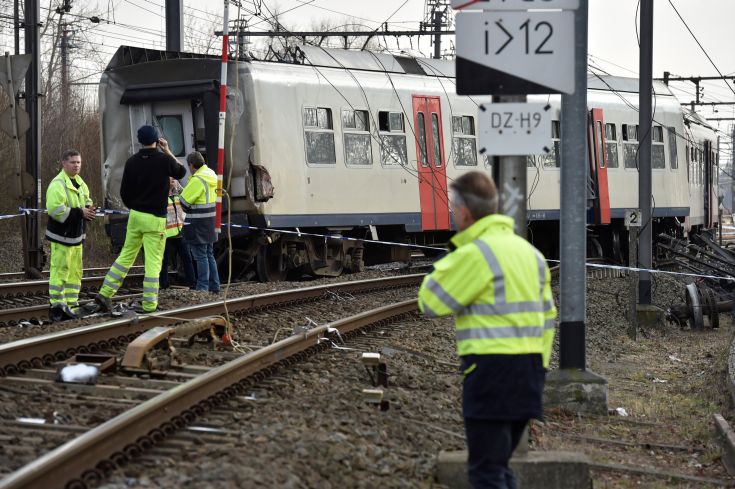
[
  {"x": 573, "y": 231},
  {"x": 64, "y": 72},
  {"x": 645, "y": 238},
  {"x": 437, "y": 27},
  {"x": 16, "y": 25},
  {"x": 33, "y": 139},
  {"x": 174, "y": 25},
  {"x": 222, "y": 116},
  {"x": 511, "y": 182}
]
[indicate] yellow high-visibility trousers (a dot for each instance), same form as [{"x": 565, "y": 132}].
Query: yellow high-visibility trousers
[
  {"x": 144, "y": 230},
  {"x": 65, "y": 278}
]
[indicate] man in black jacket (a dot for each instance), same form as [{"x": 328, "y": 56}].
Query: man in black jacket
[{"x": 144, "y": 190}]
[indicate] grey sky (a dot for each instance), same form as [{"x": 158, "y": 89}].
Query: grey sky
[{"x": 612, "y": 30}]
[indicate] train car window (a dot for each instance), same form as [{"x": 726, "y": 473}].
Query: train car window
[
  {"x": 673, "y": 155},
  {"x": 421, "y": 134},
  {"x": 172, "y": 128},
  {"x": 436, "y": 136},
  {"x": 658, "y": 157},
  {"x": 319, "y": 136},
  {"x": 599, "y": 147},
  {"x": 630, "y": 145},
  {"x": 611, "y": 145},
  {"x": 464, "y": 141},
  {"x": 357, "y": 140},
  {"x": 392, "y": 139}
]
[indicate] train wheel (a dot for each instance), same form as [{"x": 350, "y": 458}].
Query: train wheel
[{"x": 271, "y": 264}]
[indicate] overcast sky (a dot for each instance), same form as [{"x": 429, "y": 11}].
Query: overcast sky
[{"x": 612, "y": 31}]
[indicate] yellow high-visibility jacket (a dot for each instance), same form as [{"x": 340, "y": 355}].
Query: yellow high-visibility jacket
[
  {"x": 199, "y": 200},
  {"x": 64, "y": 203},
  {"x": 499, "y": 287}
]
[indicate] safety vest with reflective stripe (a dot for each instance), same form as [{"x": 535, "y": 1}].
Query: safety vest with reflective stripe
[
  {"x": 64, "y": 204},
  {"x": 199, "y": 199},
  {"x": 175, "y": 217},
  {"x": 498, "y": 286}
]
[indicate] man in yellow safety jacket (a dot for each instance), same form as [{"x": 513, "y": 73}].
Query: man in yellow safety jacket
[
  {"x": 68, "y": 206},
  {"x": 144, "y": 190},
  {"x": 498, "y": 287},
  {"x": 199, "y": 199}
]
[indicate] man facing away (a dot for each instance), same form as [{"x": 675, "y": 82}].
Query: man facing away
[
  {"x": 69, "y": 206},
  {"x": 499, "y": 288},
  {"x": 199, "y": 199},
  {"x": 144, "y": 190}
]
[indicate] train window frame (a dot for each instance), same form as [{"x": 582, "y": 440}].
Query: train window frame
[
  {"x": 673, "y": 149},
  {"x": 658, "y": 148},
  {"x": 611, "y": 140},
  {"x": 630, "y": 145},
  {"x": 167, "y": 134},
  {"x": 464, "y": 133},
  {"x": 386, "y": 129},
  {"x": 354, "y": 131},
  {"x": 309, "y": 129}
]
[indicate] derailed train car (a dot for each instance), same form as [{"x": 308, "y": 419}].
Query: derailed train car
[{"x": 362, "y": 145}]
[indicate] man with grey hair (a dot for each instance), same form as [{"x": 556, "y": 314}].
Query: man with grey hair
[
  {"x": 499, "y": 288},
  {"x": 199, "y": 199}
]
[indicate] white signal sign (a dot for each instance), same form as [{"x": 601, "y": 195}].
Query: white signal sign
[
  {"x": 515, "y": 129},
  {"x": 515, "y": 4},
  {"x": 531, "y": 51}
]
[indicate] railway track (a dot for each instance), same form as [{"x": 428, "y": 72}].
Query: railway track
[
  {"x": 38, "y": 289},
  {"x": 88, "y": 272},
  {"x": 88, "y": 458}
]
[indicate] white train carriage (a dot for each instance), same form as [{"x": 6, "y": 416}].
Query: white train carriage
[{"x": 362, "y": 145}]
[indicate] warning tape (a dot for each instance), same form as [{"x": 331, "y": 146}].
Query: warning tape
[{"x": 326, "y": 237}]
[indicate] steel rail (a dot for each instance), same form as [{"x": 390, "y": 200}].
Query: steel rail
[
  {"x": 96, "y": 270},
  {"x": 46, "y": 349},
  {"x": 88, "y": 458},
  {"x": 41, "y": 311},
  {"x": 33, "y": 287}
]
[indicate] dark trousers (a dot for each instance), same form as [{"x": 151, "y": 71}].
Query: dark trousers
[
  {"x": 177, "y": 248},
  {"x": 490, "y": 444}
]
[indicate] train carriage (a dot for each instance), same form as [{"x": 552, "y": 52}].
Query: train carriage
[{"x": 363, "y": 145}]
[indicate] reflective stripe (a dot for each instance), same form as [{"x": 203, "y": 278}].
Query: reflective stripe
[
  {"x": 192, "y": 215},
  {"x": 70, "y": 296},
  {"x": 428, "y": 311},
  {"x": 62, "y": 239},
  {"x": 120, "y": 267},
  {"x": 549, "y": 324},
  {"x": 203, "y": 206},
  {"x": 56, "y": 287},
  {"x": 206, "y": 187},
  {"x": 501, "y": 309},
  {"x": 492, "y": 261},
  {"x": 62, "y": 219},
  {"x": 150, "y": 279},
  {"x": 442, "y": 295},
  {"x": 111, "y": 285},
  {"x": 115, "y": 276},
  {"x": 548, "y": 305},
  {"x": 153, "y": 290},
  {"x": 503, "y": 332},
  {"x": 541, "y": 272},
  {"x": 73, "y": 286}
]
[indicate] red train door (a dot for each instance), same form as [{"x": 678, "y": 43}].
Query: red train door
[
  {"x": 598, "y": 166},
  {"x": 432, "y": 173}
]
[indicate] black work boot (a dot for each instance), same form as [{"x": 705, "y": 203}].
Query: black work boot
[
  {"x": 55, "y": 314},
  {"x": 104, "y": 302}
]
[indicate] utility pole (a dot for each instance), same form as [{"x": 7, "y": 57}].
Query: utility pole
[
  {"x": 645, "y": 121},
  {"x": 16, "y": 25},
  {"x": 174, "y": 25},
  {"x": 435, "y": 19},
  {"x": 64, "y": 72},
  {"x": 34, "y": 249},
  {"x": 573, "y": 222}
]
